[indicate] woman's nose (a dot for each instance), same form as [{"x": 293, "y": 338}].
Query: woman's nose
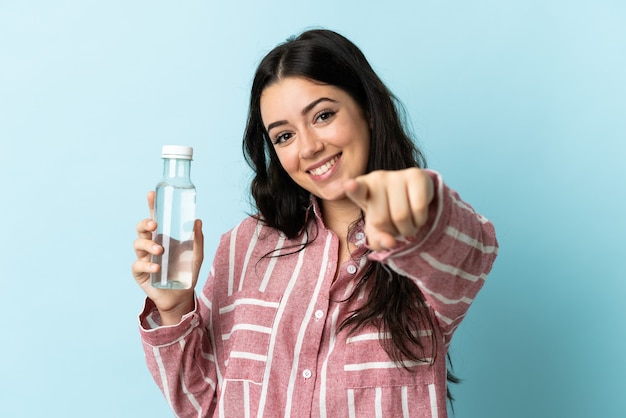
[{"x": 310, "y": 145}]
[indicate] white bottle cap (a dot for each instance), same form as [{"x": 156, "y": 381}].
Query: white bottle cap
[{"x": 177, "y": 151}]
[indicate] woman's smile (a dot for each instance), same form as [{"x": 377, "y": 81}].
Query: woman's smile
[{"x": 320, "y": 170}]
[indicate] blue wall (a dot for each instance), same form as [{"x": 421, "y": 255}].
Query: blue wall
[{"x": 519, "y": 104}]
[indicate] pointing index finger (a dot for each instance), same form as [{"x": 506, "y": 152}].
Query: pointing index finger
[{"x": 358, "y": 192}]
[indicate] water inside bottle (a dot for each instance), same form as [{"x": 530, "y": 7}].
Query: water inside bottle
[
  {"x": 175, "y": 208},
  {"x": 176, "y": 263}
]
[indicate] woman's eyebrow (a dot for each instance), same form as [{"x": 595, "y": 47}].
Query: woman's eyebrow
[
  {"x": 305, "y": 110},
  {"x": 314, "y": 103}
]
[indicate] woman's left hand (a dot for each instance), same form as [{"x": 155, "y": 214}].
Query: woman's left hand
[{"x": 395, "y": 204}]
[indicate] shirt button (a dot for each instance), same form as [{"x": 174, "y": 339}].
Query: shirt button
[
  {"x": 307, "y": 374},
  {"x": 319, "y": 314},
  {"x": 351, "y": 269},
  {"x": 360, "y": 235}
]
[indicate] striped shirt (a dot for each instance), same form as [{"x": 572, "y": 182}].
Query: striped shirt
[{"x": 263, "y": 339}]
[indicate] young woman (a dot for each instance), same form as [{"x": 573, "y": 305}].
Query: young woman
[{"x": 341, "y": 295}]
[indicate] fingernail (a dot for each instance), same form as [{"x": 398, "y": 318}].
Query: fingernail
[
  {"x": 153, "y": 267},
  {"x": 155, "y": 247}
]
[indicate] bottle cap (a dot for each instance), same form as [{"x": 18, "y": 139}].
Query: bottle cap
[{"x": 177, "y": 151}]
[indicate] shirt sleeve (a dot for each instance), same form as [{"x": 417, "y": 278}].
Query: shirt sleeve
[
  {"x": 181, "y": 360},
  {"x": 449, "y": 258}
]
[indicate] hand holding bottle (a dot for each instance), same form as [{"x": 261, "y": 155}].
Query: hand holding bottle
[{"x": 171, "y": 303}]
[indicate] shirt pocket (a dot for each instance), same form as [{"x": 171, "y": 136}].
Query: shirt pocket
[
  {"x": 367, "y": 364},
  {"x": 246, "y": 321}
]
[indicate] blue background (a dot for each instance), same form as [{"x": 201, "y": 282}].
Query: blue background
[{"x": 520, "y": 104}]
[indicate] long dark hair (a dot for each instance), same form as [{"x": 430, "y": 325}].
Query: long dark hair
[{"x": 395, "y": 305}]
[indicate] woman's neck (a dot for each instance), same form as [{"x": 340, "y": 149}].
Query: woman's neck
[{"x": 338, "y": 216}]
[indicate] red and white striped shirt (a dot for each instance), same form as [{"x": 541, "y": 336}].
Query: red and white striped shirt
[{"x": 263, "y": 340}]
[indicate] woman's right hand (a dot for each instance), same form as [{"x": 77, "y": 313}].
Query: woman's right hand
[{"x": 171, "y": 303}]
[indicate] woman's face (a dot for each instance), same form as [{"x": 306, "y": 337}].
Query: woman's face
[{"x": 320, "y": 134}]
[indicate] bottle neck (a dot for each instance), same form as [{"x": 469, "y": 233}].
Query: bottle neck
[{"x": 176, "y": 168}]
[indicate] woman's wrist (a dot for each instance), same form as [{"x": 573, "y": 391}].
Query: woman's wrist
[{"x": 175, "y": 315}]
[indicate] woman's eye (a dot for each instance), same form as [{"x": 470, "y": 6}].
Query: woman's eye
[
  {"x": 280, "y": 138},
  {"x": 325, "y": 115}
]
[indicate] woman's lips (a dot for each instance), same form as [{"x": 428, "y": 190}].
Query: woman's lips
[{"x": 321, "y": 170}]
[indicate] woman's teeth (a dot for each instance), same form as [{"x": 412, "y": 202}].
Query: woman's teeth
[{"x": 323, "y": 169}]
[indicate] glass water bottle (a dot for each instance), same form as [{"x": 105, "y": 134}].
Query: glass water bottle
[{"x": 175, "y": 214}]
